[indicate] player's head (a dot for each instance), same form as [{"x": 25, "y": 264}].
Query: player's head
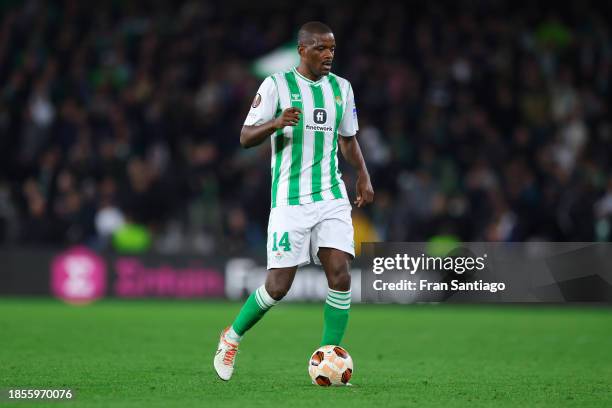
[{"x": 316, "y": 46}]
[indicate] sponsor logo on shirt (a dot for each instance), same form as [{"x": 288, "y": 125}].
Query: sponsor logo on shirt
[
  {"x": 318, "y": 128},
  {"x": 319, "y": 116}
]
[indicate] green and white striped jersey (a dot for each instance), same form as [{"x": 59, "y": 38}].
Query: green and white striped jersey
[{"x": 304, "y": 161}]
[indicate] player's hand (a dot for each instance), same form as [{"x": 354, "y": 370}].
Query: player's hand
[
  {"x": 289, "y": 117},
  {"x": 365, "y": 192}
]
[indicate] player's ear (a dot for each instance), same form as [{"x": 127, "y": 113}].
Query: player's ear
[{"x": 301, "y": 50}]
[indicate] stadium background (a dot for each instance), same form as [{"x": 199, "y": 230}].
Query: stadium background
[
  {"x": 483, "y": 119},
  {"x": 119, "y": 124}
]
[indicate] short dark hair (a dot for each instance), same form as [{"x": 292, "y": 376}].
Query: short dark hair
[{"x": 310, "y": 28}]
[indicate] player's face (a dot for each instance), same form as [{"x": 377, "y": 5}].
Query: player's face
[{"x": 319, "y": 55}]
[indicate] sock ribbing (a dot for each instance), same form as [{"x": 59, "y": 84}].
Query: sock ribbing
[
  {"x": 339, "y": 299},
  {"x": 263, "y": 298}
]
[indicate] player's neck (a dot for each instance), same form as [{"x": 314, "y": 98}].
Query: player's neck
[{"x": 306, "y": 73}]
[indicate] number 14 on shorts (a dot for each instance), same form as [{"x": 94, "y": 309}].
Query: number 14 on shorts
[{"x": 283, "y": 242}]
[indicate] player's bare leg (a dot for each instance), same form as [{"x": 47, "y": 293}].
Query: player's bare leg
[
  {"x": 278, "y": 283},
  {"x": 336, "y": 266}
]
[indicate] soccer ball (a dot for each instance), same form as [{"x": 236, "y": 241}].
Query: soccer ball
[{"x": 330, "y": 365}]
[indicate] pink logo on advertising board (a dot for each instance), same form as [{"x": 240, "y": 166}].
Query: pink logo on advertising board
[
  {"x": 78, "y": 276},
  {"x": 134, "y": 279}
]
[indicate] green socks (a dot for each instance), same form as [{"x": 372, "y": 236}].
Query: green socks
[
  {"x": 335, "y": 316},
  {"x": 253, "y": 310}
]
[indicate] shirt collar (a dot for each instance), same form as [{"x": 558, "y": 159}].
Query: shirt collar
[{"x": 310, "y": 81}]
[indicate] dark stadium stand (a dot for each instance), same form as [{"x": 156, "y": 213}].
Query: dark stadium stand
[{"x": 485, "y": 120}]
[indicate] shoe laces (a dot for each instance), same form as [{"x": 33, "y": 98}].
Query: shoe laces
[{"x": 228, "y": 357}]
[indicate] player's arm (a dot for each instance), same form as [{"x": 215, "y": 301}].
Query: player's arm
[
  {"x": 349, "y": 146},
  {"x": 254, "y": 135}
]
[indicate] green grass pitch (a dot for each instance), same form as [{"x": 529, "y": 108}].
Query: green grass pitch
[{"x": 159, "y": 354}]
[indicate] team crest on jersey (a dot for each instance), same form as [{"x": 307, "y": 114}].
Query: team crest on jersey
[
  {"x": 296, "y": 97},
  {"x": 256, "y": 101},
  {"x": 338, "y": 100}
]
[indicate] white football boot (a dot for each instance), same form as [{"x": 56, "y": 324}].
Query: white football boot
[{"x": 225, "y": 357}]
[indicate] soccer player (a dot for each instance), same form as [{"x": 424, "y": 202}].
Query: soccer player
[{"x": 308, "y": 112}]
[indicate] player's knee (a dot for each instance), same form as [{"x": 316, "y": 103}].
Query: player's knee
[
  {"x": 340, "y": 281},
  {"x": 277, "y": 291},
  {"x": 278, "y": 282}
]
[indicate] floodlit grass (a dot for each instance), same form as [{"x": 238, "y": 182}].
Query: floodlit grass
[{"x": 159, "y": 354}]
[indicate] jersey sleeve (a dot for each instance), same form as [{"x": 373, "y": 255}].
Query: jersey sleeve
[
  {"x": 264, "y": 104},
  {"x": 349, "y": 125}
]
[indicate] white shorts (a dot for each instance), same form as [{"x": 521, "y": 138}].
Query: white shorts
[{"x": 296, "y": 231}]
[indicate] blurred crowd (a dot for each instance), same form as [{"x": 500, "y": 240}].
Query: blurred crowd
[{"x": 482, "y": 120}]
